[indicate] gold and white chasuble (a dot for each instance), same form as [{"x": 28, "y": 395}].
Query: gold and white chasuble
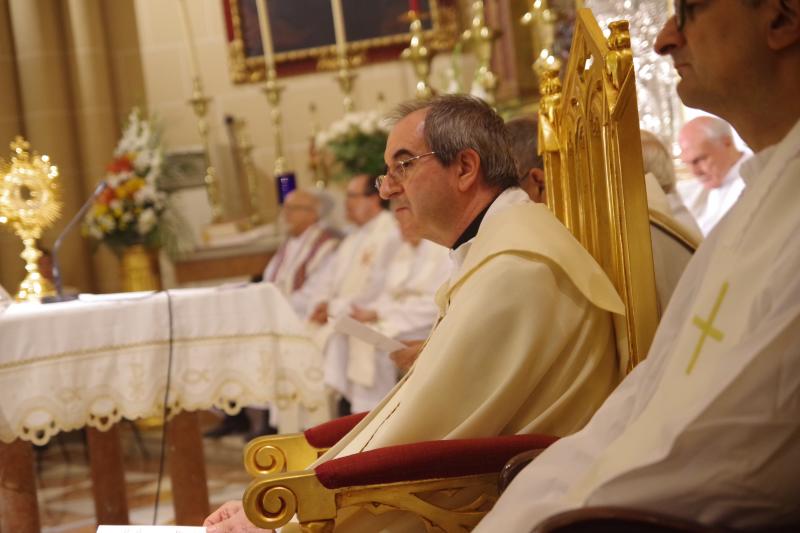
[
  {"x": 708, "y": 426},
  {"x": 524, "y": 344}
]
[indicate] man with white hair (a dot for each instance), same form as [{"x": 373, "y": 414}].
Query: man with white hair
[
  {"x": 659, "y": 165},
  {"x": 708, "y": 150},
  {"x": 306, "y": 252},
  {"x": 706, "y": 428}
]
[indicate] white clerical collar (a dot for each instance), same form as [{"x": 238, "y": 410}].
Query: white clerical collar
[{"x": 508, "y": 198}]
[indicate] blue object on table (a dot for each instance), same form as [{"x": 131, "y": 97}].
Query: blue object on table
[{"x": 286, "y": 183}]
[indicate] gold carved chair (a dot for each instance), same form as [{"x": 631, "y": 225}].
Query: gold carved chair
[{"x": 598, "y": 191}]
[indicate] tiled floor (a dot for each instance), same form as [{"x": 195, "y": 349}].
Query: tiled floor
[{"x": 65, "y": 491}]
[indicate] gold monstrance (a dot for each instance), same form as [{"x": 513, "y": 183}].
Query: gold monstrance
[{"x": 29, "y": 201}]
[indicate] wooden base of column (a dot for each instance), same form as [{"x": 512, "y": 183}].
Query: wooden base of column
[
  {"x": 187, "y": 468},
  {"x": 108, "y": 476},
  {"x": 19, "y": 511}
]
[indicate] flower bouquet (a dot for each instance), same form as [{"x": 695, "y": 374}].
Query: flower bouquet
[
  {"x": 128, "y": 211},
  {"x": 356, "y": 142}
]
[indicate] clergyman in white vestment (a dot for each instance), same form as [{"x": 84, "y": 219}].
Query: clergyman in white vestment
[
  {"x": 481, "y": 374},
  {"x": 525, "y": 341},
  {"x": 305, "y": 254},
  {"x": 405, "y": 310},
  {"x": 356, "y": 276},
  {"x": 659, "y": 164},
  {"x": 707, "y": 148},
  {"x": 670, "y": 257},
  {"x": 707, "y": 427}
]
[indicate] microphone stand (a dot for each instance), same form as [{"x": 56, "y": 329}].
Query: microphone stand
[{"x": 59, "y": 297}]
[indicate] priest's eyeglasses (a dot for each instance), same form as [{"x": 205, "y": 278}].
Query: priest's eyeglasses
[
  {"x": 680, "y": 13},
  {"x": 397, "y": 172}
]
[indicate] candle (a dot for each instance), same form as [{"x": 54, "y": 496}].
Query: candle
[
  {"x": 187, "y": 26},
  {"x": 413, "y": 5},
  {"x": 338, "y": 27},
  {"x": 266, "y": 34}
]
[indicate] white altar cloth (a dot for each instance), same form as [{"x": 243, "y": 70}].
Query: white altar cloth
[{"x": 92, "y": 362}]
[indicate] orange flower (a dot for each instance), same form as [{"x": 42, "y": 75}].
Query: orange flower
[
  {"x": 106, "y": 196},
  {"x": 121, "y": 164}
]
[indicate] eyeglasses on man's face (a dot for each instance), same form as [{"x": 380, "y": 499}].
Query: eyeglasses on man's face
[
  {"x": 397, "y": 172},
  {"x": 680, "y": 12}
]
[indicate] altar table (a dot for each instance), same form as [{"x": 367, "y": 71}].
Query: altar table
[{"x": 95, "y": 361}]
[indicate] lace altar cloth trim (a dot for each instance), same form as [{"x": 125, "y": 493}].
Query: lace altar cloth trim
[{"x": 65, "y": 366}]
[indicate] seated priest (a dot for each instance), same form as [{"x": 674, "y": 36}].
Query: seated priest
[
  {"x": 707, "y": 427},
  {"x": 710, "y": 152},
  {"x": 357, "y": 273},
  {"x": 670, "y": 256},
  {"x": 659, "y": 165},
  {"x": 307, "y": 251},
  {"x": 524, "y": 342},
  {"x": 405, "y": 310},
  {"x": 305, "y": 254}
]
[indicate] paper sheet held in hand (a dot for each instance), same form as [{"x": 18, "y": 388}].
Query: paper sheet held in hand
[{"x": 350, "y": 326}]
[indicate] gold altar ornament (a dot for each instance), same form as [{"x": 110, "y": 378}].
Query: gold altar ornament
[
  {"x": 29, "y": 202},
  {"x": 420, "y": 57},
  {"x": 481, "y": 38}
]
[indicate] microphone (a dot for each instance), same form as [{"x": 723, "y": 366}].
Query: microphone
[{"x": 59, "y": 297}]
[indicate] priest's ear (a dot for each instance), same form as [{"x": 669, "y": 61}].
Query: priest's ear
[
  {"x": 533, "y": 184},
  {"x": 468, "y": 163},
  {"x": 784, "y": 24}
]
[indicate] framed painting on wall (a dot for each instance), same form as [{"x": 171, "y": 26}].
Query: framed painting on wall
[{"x": 304, "y": 41}]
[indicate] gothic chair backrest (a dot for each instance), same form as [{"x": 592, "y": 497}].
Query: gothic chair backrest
[{"x": 589, "y": 139}]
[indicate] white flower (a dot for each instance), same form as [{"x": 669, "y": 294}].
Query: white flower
[
  {"x": 147, "y": 221},
  {"x": 147, "y": 193},
  {"x": 106, "y": 223},
  {"x": 142, "y": 161},
  {"x": 369, "y": 126},
  {"x": 115, "y": 180},
  {"x": 115, "y": 204},
  {"x": 94, "y": 231}
]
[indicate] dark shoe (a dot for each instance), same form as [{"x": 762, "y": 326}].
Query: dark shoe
[
  {"x": 230, "y": 425},
  {"x": 343, "y": 408}
]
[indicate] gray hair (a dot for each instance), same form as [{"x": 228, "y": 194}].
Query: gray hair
[
  {"x": 714, "y": 129},
  {"x": 457, "y": 122},
  {"x": 658, "y": 161},
  {"x": 324, "y": 204},
  {"x": 523, "y": 134}
]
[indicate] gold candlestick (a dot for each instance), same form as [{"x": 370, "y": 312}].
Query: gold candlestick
[
  {"x": 315, "y": 159},
  {"x": 481, "y": 37},
  {"x": 272, "y": 89},
  {"x": 419, "y": 56},
  {"x": 29, "y": 201},
  {"x": 346, "y": 79},
  {"x": 344, "y": 76},
  {"x": 244, "y": 152},
  {"x": 541, "y": 20},
  {"x": 199, "y": 102}
]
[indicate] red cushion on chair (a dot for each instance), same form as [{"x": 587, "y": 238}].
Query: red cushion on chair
[
  {"x": 327, "y": 434},
  {"x": 427, "y": 460}
]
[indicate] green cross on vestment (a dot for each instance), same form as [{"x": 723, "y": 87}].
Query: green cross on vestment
[{"x": 707, "y": 328}]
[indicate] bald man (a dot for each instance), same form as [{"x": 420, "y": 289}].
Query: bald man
[{"x": 708, "y": 151}]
